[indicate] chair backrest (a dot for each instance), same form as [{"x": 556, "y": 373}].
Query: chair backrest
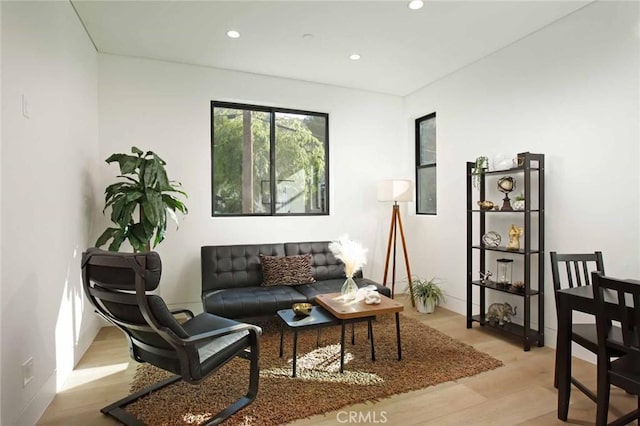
[
  {"x": 571, "y": 270},
  {"x": 117, "y": 285},
  {"x": 616, "y": 300}
]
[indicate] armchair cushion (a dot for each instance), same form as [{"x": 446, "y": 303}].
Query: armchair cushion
[{"x": 213, "y": 352}]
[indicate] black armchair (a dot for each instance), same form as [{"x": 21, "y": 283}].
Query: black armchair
[{"x": 118, "y": 286}]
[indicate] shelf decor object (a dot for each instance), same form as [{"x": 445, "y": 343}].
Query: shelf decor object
[
  {"x": 396, "y": 190},
  {"x": 515, "y": 232},
  {"x": 505, "y": 272},
  {"x": 491, "y": 239},
  {"x": 506, "y": 185},
  {"x": 528, "y": 256}
]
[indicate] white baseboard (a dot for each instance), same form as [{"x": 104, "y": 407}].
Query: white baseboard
[{"x": 37, "y": 406}]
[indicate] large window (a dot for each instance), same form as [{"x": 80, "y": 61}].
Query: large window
[
  {"x": 268, "y": 161},
  {"x": 426, "y": 165}
]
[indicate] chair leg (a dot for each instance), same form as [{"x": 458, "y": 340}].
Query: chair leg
[
  {"x": 116, "y": 410},
  {"x": 252, "y": 391},
  {"x": 602, "y": 404}
]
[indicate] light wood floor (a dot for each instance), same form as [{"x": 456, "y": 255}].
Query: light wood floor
[{"x": 519, "y": 393}]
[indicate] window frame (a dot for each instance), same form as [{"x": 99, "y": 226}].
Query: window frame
[
  {"x": 272, "y": 157},
  {"x": 420, "y": 166}
]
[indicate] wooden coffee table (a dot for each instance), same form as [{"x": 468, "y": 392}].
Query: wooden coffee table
[{"x": 347, "y": 312}]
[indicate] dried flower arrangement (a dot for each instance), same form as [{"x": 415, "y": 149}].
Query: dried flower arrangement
[{"x": 351, "y": 253}]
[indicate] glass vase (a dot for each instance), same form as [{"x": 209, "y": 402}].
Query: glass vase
[{"x": 349, "y": 289}]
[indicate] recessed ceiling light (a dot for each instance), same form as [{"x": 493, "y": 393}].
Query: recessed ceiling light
[
  {"x": 354, "y": 57},
  {"x": 233, "y": 34},
  {"x": 416, "y": 4},
  {"x": 307, "y": 36}
]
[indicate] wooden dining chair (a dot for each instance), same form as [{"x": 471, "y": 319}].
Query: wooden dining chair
[
  {"x": 570, "y": 270},
  {"x": 624, "y": 370}
]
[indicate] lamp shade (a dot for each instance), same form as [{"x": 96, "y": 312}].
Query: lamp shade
[{"x": 395, "y": 190}]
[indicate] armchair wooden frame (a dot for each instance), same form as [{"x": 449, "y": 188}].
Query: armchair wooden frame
[{"x": 152, "y": 318}]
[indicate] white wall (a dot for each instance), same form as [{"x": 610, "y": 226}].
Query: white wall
[
  {"x": 48, "y": 199},
  {"x": 165, "y": 107},
  {"x": 569, "y": 91}
]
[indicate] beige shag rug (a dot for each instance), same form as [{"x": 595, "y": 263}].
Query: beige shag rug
[{"x": 428, "y": 358}]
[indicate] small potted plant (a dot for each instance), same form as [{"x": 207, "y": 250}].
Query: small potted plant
[
  {"x": 518, "y": 203},
  {"x": 427, "y": 294},
  {"x": 480, "y": 166}
]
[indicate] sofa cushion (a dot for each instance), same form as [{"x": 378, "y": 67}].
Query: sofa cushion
[
  {"x": 310, "y": 291},
  {"x": 324, "y": 265},
  {"x": 286, "y": 270},
  {"x": 247, "y": 302}
]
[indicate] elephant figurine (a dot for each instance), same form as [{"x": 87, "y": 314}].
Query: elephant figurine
[{"x": 502, "y": 312}]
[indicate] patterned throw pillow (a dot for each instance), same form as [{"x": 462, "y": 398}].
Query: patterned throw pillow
[{"x": 286, "y": 270}]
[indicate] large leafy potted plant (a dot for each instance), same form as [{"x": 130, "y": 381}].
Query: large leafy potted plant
[
  {"x": 140, "y": 202},
  {"x": 427, "y": 294}
]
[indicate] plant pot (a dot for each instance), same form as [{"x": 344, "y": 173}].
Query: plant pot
[{"x": 425, "y": 306}]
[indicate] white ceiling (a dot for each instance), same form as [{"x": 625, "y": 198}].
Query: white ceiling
[{"x": 402, "y": 50}]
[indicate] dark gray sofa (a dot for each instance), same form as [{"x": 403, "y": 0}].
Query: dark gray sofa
[{"x": 232, "y": 278}]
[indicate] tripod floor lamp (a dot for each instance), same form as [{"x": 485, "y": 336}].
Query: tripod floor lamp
[{"x": 397, "y": 190}]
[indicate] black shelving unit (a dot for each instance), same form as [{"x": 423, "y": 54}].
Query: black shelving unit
[{"x": 531, "y": 218}]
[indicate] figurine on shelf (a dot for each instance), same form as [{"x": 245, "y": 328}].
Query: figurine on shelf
[
  {"x": 484, "y": 277},
  {"x": 514, "y": 237},
  {"x": 502, "y": 312},
  {"x": 485, "y": 205}
]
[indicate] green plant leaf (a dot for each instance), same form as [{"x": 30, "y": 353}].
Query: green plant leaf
[
  {"x": 128, "y": 163},
  {"x": 106, "y": 236},
  {"x": 136, "y": 150},
  {"x": 151, "y": 172},
  {"x": 116, "y": 209},
  {"x": 159, "y": 237},
  {"x": 172, "y": 214},
  {"x": 138, "y": 237},
  {"x": 175, "y": 189},
  {"x": 114, "y": 157},
  {"x": 129, "y": 178},
  {"x": 134, "y": 195},
  {"x": 149, "y": 212},
  {"x": 156, "y": 156},
  {"x": 126, "y": 217},
  {"x": 118, "y": 239},
  {"x": 113, "y": 189},
  {"x": 163, "y": 180}
]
